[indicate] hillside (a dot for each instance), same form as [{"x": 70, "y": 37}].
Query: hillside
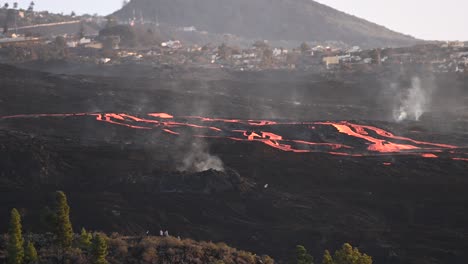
[
  {"x": 145, "y": 249},
  {"x": 295, "y": 20}
]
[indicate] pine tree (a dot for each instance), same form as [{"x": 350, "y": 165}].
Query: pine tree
[
  {"x": 31, "y": 6},
  {"x": 85, "y": 240},
  {"x": 349, "y": 255},
  {"x": 99, "y": 250},
  {"x": 345, "y": 255},
  {"x": 64, "y": 230},
  {"x": 302, "y": 256},
  {"x": 327, "y": 258},
  {"x": 15, "y": 239},
  {"x": 30, "y": 256},
  {"x": 364, "y": 259}
]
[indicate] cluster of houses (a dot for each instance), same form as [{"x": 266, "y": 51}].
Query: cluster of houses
[
  {"x": 438, "y": 57},
  {"x": 86, "y": 45}
]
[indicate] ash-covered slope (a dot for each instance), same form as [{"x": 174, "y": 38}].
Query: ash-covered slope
[{"x": 298, "y": 20}]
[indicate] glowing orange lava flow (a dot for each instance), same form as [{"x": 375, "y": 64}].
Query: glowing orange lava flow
[
  {"x": 299, "y": 137},
  {"x": 161, "y": 115},
  {"x": 384, "y": 133},
  {"x": 378, "y": 145},
  {"x": 429, "y": 155},
  {"x": 381, "y": 145},
  {"x": 461, "y": 159},
  {"x": 170, "y": 132}
]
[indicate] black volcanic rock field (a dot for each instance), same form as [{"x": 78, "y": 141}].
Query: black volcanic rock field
[{"x": 261, "y": 160}]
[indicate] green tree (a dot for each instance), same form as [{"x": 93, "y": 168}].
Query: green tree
[
  {"x": 85, "y": 239},
  {"x": 365, "y": 259},
  {"x": 302, "y": 257},
  {"x": 327, "y": 258},
  {"x": 30, "y": 256},
  {"x": 31, "y": 6},
  {"x": 349, "y": 255},
  {"x": 99, "y": 250},
  {"x": 15, "y": 239},
  {"x": 64, "y": 230}
]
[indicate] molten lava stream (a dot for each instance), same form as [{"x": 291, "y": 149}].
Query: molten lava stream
[
  {"x": 171, "y": 132},
  {"x": 137, "y": 119},
  {"x": 331, "y": 145},
  {"x": 261, "y": 123},
  {"x": 248, "y": 122},
  {"x": 273, "y": 140},
  {"x": 108, "y": 117},
  {"x": 167, "y": 123},
  {"x": 460, "y": 159},
  {"x": 387, "y": 134},
  {"x": 206, "y": 119},
  {"x": 429, "y": 155},
  {"x": 161, "y": 115},
  {"x": 378, "y": 145}
]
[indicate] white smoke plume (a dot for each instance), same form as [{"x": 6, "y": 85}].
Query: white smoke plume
[
  {"x": 199, "y": 159},
  {"x": 413, "y": 103}
]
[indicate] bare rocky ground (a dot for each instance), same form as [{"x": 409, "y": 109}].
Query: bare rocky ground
[{"x": 398, "y": 207}]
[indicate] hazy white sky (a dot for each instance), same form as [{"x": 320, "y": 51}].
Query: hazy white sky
[
  {"x": 426, "y": 19},
  {"x": 102, "y": 7}
]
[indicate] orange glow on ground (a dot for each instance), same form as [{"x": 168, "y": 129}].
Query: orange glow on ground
[
  {"x": 429, "y": 155},
  {"x": 372, "y": 139}
]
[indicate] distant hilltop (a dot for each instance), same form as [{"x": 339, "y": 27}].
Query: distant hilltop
[{"x": 291, "y": 20}]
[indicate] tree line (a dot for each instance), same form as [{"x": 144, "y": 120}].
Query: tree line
[
  {"x": 346, "y": 255},
  {"x": 19, "y": 252}
]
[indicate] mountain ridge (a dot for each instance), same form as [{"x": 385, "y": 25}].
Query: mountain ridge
[{"x": 295, "y": 20}]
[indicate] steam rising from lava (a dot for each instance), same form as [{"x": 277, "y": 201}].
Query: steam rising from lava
[
  {"x": 413, "y": 103},
  {"x": 199, "y": 159}
]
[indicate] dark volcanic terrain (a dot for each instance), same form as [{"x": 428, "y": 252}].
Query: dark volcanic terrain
[{"x": 300, "y": 158}]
